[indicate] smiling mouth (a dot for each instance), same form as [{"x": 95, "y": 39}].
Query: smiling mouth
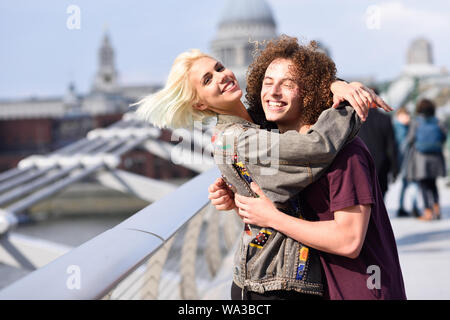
[
  {"x": 230, "y": 85},
  {"x": 275, "y": 105}
]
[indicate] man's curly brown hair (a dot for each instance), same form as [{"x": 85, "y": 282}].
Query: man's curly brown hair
[{"x": 313, "y": 71}]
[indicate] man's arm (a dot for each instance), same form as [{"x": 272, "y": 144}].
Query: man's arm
[{"x": 342, "y": 236}]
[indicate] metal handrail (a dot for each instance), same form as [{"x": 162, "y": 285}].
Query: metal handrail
[{"x": 101, "y": 263}]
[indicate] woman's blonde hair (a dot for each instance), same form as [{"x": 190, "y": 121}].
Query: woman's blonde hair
[{"x": 172, "y": 106}]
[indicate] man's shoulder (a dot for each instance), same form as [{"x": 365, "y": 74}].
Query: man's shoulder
[
  {"x": 354, "y": 147},
  {"x": 354, "y": 152}
]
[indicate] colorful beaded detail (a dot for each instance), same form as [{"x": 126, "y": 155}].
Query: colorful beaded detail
[
  {"x": 243, "y": 171},
  {"x": 239, "y": 166},
  {"x": 261, "y": 238},
  {"x": 303, "y": 256}
]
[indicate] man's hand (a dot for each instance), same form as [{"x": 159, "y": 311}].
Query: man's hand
[
  {"x": 221, "y": 195},
  {"x": 257, "y": 211},
  {"x": 360, "y": 97}
]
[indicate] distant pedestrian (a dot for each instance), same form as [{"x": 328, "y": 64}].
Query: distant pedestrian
[
  {"x": 401, "y": 127},
  {"x": 426, "y": 161},
  {"x": 378, "y": 134}
]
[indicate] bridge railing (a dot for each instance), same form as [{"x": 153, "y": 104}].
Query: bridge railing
[{"x": 127, "y": 261}]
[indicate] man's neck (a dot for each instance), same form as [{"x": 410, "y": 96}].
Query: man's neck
[{"x": 305, "y": 128}]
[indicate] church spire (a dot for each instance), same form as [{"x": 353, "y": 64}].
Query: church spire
[{"x": 106, "y": 78}]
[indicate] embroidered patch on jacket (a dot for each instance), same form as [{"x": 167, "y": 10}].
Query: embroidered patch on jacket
[
  {"x": 261, "y": 238},
  {"x": 303, "y": 256},
  {"x": 247, "y": 229},
  {"x": 300, "y": 271},
  {"x": 239, "y": 166},
  {"x": 243, "y": 171}
]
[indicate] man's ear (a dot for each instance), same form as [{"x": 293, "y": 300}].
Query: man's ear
[{"x": 200, "y": 106}]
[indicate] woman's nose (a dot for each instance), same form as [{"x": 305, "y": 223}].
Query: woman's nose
[{"x": 222, "y": 77}]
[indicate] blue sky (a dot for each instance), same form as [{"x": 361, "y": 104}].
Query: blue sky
[{"x": 39, "y": 55}]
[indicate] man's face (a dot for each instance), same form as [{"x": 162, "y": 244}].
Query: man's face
[{"x": 280, "y": 95}]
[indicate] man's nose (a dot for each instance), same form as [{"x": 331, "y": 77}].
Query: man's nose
[{"x": 275, "y": 90}]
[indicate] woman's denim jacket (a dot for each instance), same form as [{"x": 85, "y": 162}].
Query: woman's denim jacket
[{"x": 282, "y": 165}]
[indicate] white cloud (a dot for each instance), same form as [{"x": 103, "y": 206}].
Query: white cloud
[{"x": 395, "y": 15}]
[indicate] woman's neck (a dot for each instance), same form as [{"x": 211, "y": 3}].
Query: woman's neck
[{"x": 239, "y": 110}]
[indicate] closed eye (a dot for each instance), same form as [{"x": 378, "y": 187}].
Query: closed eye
[
  {"x": 267, "y": 81},
  {"x": 288, "y": 83},
  {"x": 206, "y": 78}
]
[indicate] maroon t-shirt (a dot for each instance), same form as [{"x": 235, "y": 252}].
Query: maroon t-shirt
[{"x": 351, "y": 180}]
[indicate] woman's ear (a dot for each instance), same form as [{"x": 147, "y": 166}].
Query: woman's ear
[{"x": 200, "y": 106}]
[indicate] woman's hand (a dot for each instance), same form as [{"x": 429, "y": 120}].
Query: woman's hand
[
  {"x": 359, "y": 96},
  {"x": 221, "y": 195},
  {"x": 257, "y": 211}
]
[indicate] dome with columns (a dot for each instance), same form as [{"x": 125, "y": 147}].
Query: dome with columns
[
  {"x": 246, "y": 12},
  {"x": 241, "y": 24}
]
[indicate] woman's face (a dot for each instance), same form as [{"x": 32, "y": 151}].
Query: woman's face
[{"x": 216, "y": 86}]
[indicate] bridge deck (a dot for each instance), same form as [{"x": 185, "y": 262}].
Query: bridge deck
[{"x": 423, "y": 247}]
